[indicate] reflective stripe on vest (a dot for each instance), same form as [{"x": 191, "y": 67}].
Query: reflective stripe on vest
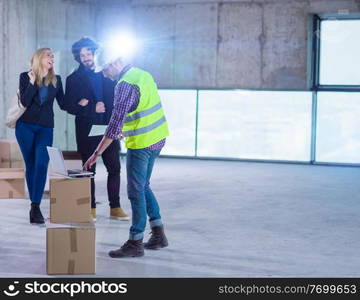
[
  {"x": 145, "y": 129},
  {"x": 143, "y": 113}
]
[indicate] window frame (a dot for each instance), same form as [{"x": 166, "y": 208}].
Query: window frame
[
  {"x": 315, "y": 53},
  {"x": 314, "y": 78}
]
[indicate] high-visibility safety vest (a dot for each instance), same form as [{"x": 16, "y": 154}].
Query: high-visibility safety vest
[{"x": 146, "y": 125}]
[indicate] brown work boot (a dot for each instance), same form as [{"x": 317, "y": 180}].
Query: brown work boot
[{"x": 118, "y": 214}]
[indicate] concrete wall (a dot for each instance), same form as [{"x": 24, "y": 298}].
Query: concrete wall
[{"x": 258, "y": 44}]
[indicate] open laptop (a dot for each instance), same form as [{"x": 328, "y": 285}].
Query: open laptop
[{"x": 58, "y": 164}]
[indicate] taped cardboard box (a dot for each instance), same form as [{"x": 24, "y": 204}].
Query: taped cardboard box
[
  {"x": 69, "y": 164},
  {"x": 70, "y": 200},
  {"x": 10, "y": 155},
  {"x": 12, "y": 183},
  {"x": 71, "y": 250}
]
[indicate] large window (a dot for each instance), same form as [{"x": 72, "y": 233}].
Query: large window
[
  {"x": 338, "y": 138},
  {"x": 336, "y": 85},
  {"x": 180, "y": 110},
  {"x": 340, "y": 52},
  {"x": 255, "y": 125}
]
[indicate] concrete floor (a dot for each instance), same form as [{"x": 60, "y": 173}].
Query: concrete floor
[{"x": 223, "y": 219}]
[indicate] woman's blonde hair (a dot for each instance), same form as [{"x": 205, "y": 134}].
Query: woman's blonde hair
[{"x": 35, "y": 64}]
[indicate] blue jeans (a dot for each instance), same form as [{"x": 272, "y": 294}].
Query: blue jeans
[
  {"x": 33, "y": 139},
  {"x": 139, "y": 166}
]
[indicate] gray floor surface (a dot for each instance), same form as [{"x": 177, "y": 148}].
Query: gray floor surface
[{"x": 223, "y": 219}]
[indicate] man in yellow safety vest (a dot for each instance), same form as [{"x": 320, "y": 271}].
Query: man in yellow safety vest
[{"x": 138, "y": 117}]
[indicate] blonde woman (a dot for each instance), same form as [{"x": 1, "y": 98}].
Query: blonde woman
[{"x": 34, "y": 130}]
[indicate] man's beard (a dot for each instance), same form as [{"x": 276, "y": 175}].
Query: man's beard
[{"x": 89, "y": 65}]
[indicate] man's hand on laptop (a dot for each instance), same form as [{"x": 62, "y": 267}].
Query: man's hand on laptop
[{"x": 91, "y": 161}]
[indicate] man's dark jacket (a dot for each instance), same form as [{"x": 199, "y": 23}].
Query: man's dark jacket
[{"x": 78, "y": 87}]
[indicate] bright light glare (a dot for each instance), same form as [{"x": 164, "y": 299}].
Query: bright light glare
[{"x": 122, "y": 45}]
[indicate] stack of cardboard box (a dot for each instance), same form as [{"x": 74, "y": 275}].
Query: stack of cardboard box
[
  {"x": 71, "y": 233},
  {"x": 12, "y": 183}
]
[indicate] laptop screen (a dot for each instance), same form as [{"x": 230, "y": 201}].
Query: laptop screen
[{"x": 57, "y": 161}]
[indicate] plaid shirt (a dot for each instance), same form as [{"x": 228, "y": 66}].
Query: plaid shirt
[{"x": 126, "y": 100}]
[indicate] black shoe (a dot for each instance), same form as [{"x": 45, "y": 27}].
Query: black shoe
[
  {"x": 131, "y": 248},
  {"x": 36, "y": 216},
  {"x": 158, "y": 239}
]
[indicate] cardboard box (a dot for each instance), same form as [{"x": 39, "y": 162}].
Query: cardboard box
[
  {"x": 10, "y": 155},
  {"x": 12, "y": 183},
  {"x": 70, "y": 250},
  {"x": 69, "y": 164},
  {"x": 70, "y": 200}
]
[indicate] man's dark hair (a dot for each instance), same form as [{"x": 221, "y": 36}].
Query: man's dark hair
[{"x": 84, "y": 42}]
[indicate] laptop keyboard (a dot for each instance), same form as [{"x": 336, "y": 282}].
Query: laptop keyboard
[{"x": 75, "y": 171}]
